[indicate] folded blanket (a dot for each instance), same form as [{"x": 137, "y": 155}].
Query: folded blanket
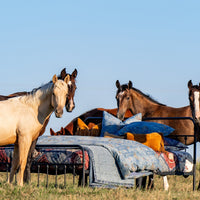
[{"x": 103, "y": 169}]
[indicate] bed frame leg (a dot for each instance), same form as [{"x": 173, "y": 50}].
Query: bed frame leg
[
  {"x": 198, "y": 188},
  {"x": 150, "y": 183},
  {"x": 80, "y": 180}
]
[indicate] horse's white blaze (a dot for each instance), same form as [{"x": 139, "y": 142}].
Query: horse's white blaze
[
  {"x": 121, "y": 94},
  {"x": 71, "y": 104},
  {"x": 196, "y": 105},
  {"x": 69, "y": 83}
]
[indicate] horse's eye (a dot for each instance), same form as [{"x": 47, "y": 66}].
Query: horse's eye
[{"x": 128, "y": 98}]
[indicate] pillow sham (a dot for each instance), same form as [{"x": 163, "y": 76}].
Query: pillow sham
[{"x": 112, "y": 124}]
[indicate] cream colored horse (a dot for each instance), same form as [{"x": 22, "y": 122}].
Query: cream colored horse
[{"x": 21, "y": 119}]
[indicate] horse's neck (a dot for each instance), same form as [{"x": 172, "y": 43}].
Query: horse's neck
[
  {"x": 44, "y": 108},
  {"x": 44, "y": 111},
  {"x": 40, "y": 101},
  {"x": 144, "y": 105},
  {"x": 151, "y": 108}
]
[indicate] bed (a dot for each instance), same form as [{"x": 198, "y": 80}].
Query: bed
[{"x": 109, "y": 162}]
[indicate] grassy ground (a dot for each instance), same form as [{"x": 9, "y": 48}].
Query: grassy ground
[{"x": 180, "y": 188}]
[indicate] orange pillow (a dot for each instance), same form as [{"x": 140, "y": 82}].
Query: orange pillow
[
  {"x": 153, "y": 140},
  {"x": 84, "y": 130}
]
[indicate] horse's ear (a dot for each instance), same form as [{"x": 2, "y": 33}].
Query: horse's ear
[
  {"x": 118, "y": 84},
  {"x": 67, "y": 78},
  {"x": 52, "y": 132},
  {"x": 55, "y": 78},
  {"x": 190, "y": 84},
  {"x": 74, "y": 73},
  {"x": 63, "y": 73},
  {"x": 130, "y": 85}
]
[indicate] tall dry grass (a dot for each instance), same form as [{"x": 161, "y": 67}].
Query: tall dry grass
[{"x": 180, "y": 188}]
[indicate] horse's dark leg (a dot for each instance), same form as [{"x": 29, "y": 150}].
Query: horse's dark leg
[
  {"x": 27, "y": 171},
  {"x": 141, "y": 182},
  {"x": 150, "y": 182}
]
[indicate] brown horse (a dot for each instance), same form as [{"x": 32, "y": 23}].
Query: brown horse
[
  {"x": 133, "y": 99},
  {"x": 70, "y": 129},
  {"x": 70, "y": 105},
  {"x": 194, "y": 99},
  {"x": 2, "y": 97}
]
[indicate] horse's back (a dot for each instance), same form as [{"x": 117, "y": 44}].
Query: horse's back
[{"x": 182, "y": 127}]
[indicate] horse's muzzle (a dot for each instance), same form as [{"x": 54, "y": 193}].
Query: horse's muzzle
[
  {"x": 70, "y": 106},
  {"x": 58, "y": 113},
  {"x": 120, "y": 116}
]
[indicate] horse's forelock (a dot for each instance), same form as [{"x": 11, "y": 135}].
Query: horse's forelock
[
  {"x": 61, "y": 84},
  {"x": 122, "y": 88},
  {"x": 195, "y": 87}
]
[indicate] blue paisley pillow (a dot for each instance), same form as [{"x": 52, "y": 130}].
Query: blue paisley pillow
[
  {"x": 112, "y": 124},
  {"x": 145, "y": 128}
]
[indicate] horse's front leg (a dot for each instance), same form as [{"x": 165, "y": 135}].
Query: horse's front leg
[
  {"x": 27, "y": 172},
  {"x": 15, "y": 163},
  {"x": 24, "y": 146}
]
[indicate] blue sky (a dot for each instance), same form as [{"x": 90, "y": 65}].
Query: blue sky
[{"x": 155, "y": 44}]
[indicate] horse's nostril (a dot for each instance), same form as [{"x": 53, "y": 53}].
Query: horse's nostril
[
  {"x": 119, "y": 116},
  {"x": 58, "y": 113}
]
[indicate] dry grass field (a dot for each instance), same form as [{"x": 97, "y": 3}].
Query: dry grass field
[{"x": 180, "y": 188}]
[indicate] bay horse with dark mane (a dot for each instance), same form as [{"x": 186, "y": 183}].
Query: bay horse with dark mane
[
  {"x": 70, "y": 105},
  {"x": 130, "y": 98}
]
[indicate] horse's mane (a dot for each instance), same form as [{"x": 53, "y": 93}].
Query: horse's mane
[
  {"x": 147, "y": 96},
  {"x": 195, "y": 87},
  {"x": 32, "y": 95}
]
